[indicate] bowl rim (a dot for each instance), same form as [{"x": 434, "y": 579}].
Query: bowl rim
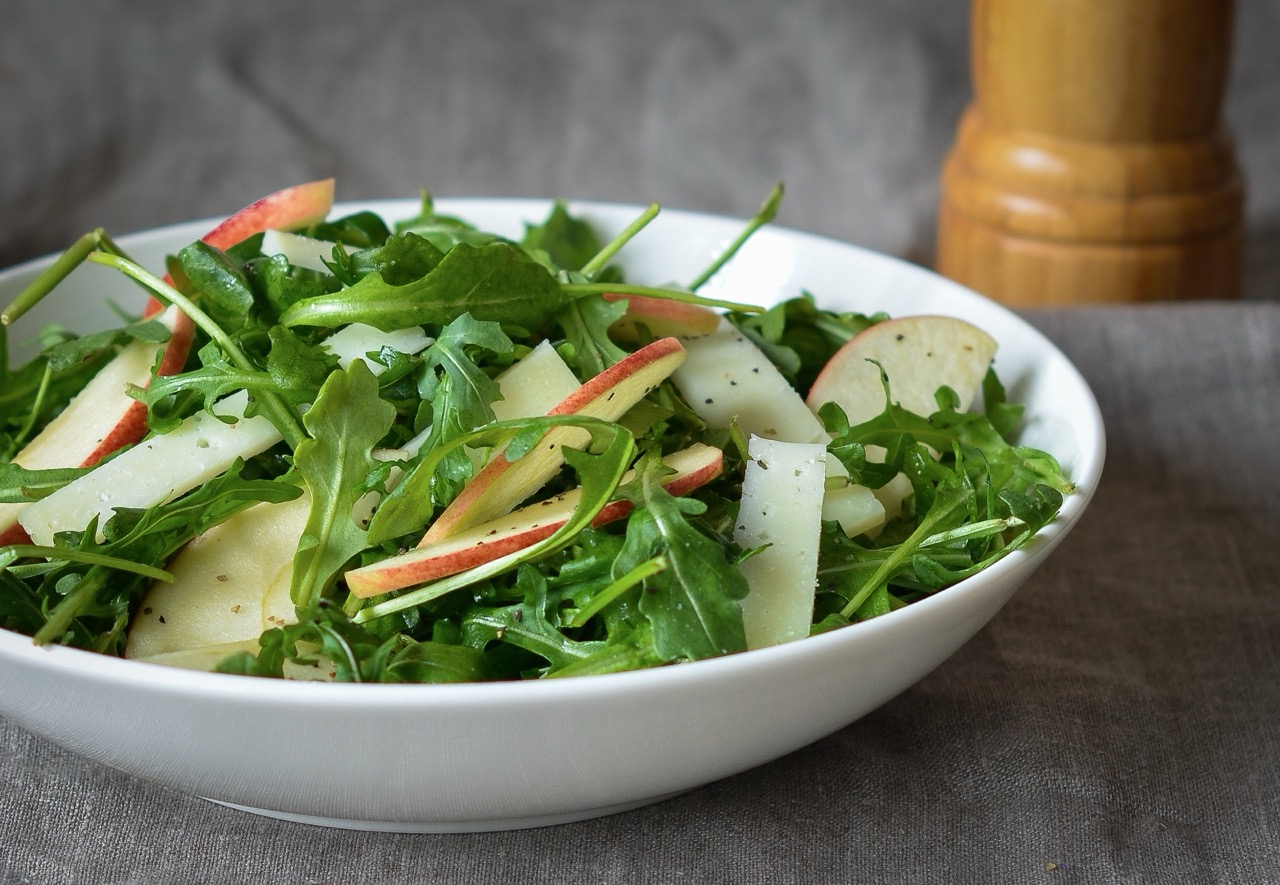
[{"x": 159, "y": 678}]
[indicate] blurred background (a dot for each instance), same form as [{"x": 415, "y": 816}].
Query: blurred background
[{"x": 128, "y": 115}]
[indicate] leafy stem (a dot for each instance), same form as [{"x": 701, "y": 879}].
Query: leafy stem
[
  {"x": 283, "y": 417},
  {"x": 949, "y": 499},
  {"x": 637, "y": 575},
  {"x": 94, "y": 241},
  {"x": 15, "y": 552},
  {"x": 765, "y": 214},
  {"x": 66, "y": 611},
  {"x": 597, "y": 263},
  {"x": 578, "y": 290}
]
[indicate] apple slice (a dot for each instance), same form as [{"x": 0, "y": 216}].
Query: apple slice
[
  {"x": 919, "y": 354},
  {"x": 662, "y": 316},
  {"x": 694, "y": 466},
  {"x": 503, "y": 484},
  {"x": 782, "y": 496},
  {"x": 299, "y": 206},
  {"x": 102, "y": 417},
  {"x": 154, "y": 471}
]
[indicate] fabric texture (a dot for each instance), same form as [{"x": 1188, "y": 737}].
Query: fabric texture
[{"x": 1115, "y": 723}]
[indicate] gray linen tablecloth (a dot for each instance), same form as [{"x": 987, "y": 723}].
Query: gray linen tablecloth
[{"x": 1118, "y": 721}]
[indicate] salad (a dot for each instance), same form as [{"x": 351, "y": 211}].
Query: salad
[{"x": 417, "y": 451}]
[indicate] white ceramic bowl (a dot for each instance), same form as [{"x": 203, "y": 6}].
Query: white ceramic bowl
[{"x": 498, "y": 756}]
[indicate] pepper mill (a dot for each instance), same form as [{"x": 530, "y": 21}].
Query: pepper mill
[{"x": 1093, "y": 164}]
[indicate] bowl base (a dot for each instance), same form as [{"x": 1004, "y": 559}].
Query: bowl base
[{"x": 462, "y": 826}]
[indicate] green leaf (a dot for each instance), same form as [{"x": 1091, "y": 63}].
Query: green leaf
[
  {"x": 526, "y": 625},
  {"x": 496, "y": 282},
  {"x": 471, "y": 392},
  {"x": 1004, "y": 415},
  {"x": 568, "y": 242},
  {"x": 436, "y": 662},
  {"x": 344, "y": 425},
  {"x": 631, "y": 651},
  {"x": 586, "y": 322},
  {"x": 402, "y": 259},
  {"x": 297, "y": 368},
  {"x": 212, "y": 273},
  {"x": 445, "y": 231},
  {"x": 278, "y": 285},
  {"x": 77, "y": 350},
  {"x": 460, "y": 393},
  {"x": 359, "y": 230},
  {"x": 20, "y": 485},
  {"x": 692, "y": 604}
]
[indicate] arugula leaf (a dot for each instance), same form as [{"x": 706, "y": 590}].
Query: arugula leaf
[
  {"x": 496, "y": 282},
  {"x": 460, "y": 393},
  {"x": 527, "y": 625},
  {"x": 633, "y": 650},
  {"x": 20, "y": 485},
  {"x": 297, "y": 368},
  {"x": 277, "y": 285},
  {"x": 586, "y": 322},
  {"x": 212, "y": 273},
  {"x": 346, "y": 422},
  {"x": 1003, "y": 415},
  {"x": 692, "y": 604},
  {"x": 77, "y": 350},
  {"x": 359, "y": 230},
  {"x": 402, "y": 259},
  {"x": 567, "y": 242},
  {"x": 435, "y": 662},
  {"x": 445, "y": 231}
]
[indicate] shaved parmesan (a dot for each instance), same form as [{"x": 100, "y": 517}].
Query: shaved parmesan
[{"x": 782, "y": 494}]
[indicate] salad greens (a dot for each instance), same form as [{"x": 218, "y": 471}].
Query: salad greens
[{"x": 377, "y": 448}]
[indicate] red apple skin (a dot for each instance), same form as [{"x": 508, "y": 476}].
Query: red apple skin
[
  {"x": 102, "y": 418},
  {"x": 298, "y": 206},
  {"x": 596, "y": 398},
  {"x": 478, "y": 546},
  {"x": 292, "y": 207},
  {"x": 662, "y": 316},
  {"x": 132, "y": 425}
]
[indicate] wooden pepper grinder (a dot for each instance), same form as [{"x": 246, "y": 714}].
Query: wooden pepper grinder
[{"x": 1093, "y": 164}]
